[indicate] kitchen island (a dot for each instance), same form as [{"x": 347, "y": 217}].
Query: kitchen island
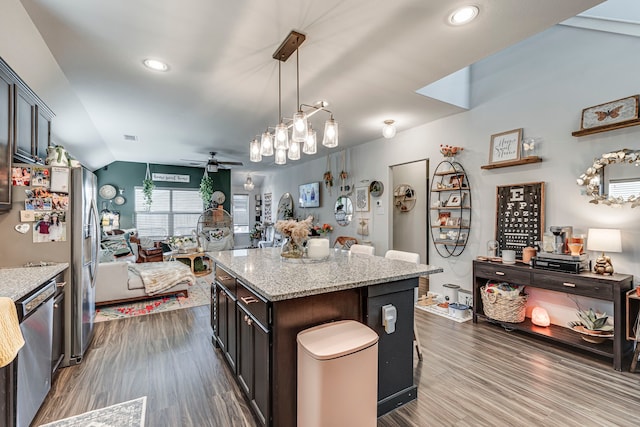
[{"x": 260, "y": 302}]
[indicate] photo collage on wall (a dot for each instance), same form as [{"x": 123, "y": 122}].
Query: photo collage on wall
[{"x": 45, "y": 209}]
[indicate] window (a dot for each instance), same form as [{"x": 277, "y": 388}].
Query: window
[
  {"x": 240, "y": 209},
  {"x": 174, "y": 212},
  {"x": 624, "y": 188}
]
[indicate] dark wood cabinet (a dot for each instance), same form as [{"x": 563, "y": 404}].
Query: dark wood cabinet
[
  {"x": 32, "y": 126},
  {"x": 607, "y": 288},
  {"x": 254, "y": 351},
  {"x": 226, "y": 329},
  {"x": 6, "y": 136}
]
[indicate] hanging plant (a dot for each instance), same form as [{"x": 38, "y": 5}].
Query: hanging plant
[
  {"x": 206, "y": 189},
  {"x": 147, "y": 188}
]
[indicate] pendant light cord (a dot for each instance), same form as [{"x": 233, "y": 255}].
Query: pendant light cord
[
  {"x": 279, "y": 91},
  {"x": 298, "y": 80}
]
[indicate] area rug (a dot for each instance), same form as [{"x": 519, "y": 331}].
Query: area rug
[
  {"x": 125, "y": 414},
  {"x": 199, "y": 294},
  {"x": 434, "y": 310}
]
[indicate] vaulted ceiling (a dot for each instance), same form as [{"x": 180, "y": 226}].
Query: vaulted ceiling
[{"x": 366, "y": 58}]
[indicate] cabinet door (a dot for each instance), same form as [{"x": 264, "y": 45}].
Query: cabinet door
[
  {"x": 6, "y": 149},
  {"x": 43, "y": 134},
  {"x": 24, "y": 124},
  {"x": 245, "y": 351},
  {"x": 261, "y": 401},
  {"x": 57, "y": 352},
  {"x": 254, "y": 363},
  {"x": 231, "y": 350},
  {"x": 221, "y": 319}
]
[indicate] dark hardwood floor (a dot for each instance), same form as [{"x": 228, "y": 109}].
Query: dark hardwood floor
[{"x": 471, "y": 375}]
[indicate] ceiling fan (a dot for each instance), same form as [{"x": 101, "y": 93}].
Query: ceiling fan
[{"x": 212, "y": 164}]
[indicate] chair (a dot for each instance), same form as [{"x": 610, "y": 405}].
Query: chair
[
  {"x": 344, "y": 242},
  {"x": 362, "y": 249},
  {"x": 415, "y": 258},
  {"x": 269, "y": 237}
]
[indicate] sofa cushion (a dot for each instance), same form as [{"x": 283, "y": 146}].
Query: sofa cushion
[{"x": 118, "y": 245}]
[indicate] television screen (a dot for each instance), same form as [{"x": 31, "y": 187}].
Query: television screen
[{"x": 309, "y": 195}]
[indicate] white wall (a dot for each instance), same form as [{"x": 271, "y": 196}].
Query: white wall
[{"x": 540, "y": 85}]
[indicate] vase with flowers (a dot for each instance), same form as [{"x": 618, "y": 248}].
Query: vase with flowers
[
  {"x": 323, "y": 230},
  {"x": 295, "y": 234}
]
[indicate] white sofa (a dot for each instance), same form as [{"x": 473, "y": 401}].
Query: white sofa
[{"x": 115, "y": 284}]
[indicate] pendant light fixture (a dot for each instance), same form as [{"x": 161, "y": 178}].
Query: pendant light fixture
[
  {"x": 310, "y": 145},
  {"x": 254, "y": 151},
  {"x": 303, "y": 137},
  {"x": 248, "y": 184},
  {"x": 389, "y": 129}
]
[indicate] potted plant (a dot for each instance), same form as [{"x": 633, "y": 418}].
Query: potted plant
[
  {"x": 592, "y": 326},
  {"x": 147, "y": 191},
  {"x": 206, "y": 189}
]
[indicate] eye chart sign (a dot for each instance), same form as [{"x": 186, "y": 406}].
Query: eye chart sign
[{"x": 519, "y": 216}]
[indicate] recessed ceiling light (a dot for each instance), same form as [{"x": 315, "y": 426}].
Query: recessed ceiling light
[
  {"x": 464, "y": 15},
  {"x": 154, "y": 64}
]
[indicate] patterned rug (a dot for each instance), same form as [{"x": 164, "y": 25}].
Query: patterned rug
[
  {"x": 199, "y": 294},
  {"x": 125, "y": 414}
]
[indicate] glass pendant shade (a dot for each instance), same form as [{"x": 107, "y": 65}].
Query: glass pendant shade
[
  {"x": 281, "y": 137},
  {"x": 254, "y": 151},
  {"x": 281, "y": 156},
  {"x": 294, "y": 150},
  {"x": 266, "y": 144},
  {"x": 310, "y": 144},
  {"x": 330, "y": 138},
  {"x": 389, "y": 129},
  {"x": 299, "y": 133},
  {"x": 248, "y": 185}
]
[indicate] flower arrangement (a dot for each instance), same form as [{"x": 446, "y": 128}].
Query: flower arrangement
[
  {"x": 178, "y": 243},
  {"x": 323, "y": 229},
  {"x": 256, "y": 232},
  {"x": 298, "y": 231},
  {"x": 450, "y": 150}
]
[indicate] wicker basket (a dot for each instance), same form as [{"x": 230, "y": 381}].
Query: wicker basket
[{"x": 501, "y": 308}]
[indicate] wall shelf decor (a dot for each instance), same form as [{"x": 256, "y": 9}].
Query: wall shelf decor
[
  {"x": 404, "y": 197},
  {"x": 614, "y": 126},
  {"x": 522, "y": 161},
  {"x": 450, "y": 212}
]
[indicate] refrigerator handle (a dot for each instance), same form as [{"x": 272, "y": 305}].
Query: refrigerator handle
[{"x": 94, "y": 230}]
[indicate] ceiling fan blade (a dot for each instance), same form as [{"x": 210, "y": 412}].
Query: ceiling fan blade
[{"x": 231, "y": 163}]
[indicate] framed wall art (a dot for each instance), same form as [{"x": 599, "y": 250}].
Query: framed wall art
[
  {"x": 505, "y": 146},
  {"x": 618, "y": 111},
  {"x": 519, "y": 216},
  {"x": 362, "y": 199}
]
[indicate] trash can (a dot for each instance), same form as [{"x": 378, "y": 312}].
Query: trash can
[{"x": 338, "y": 375}]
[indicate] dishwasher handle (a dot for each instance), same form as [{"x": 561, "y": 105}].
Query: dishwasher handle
[{"x": 31, "y": 303}]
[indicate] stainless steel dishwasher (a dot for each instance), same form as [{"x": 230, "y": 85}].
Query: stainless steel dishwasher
[{"x": 35, "y": 313}]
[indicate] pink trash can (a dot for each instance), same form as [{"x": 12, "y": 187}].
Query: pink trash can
[{"x": 338, "y": 375}]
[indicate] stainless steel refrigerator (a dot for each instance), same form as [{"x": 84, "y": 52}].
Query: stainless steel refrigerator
[{"x": 78, "y": 245}]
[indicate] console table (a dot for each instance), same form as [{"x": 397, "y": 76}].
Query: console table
[{"x": 608, "y": 288}]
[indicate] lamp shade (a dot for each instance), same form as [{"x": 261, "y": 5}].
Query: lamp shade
[
  {"x": 294, "y": 150},
  {"x": 310, "y": 145},
  {"x": 389, "y": 129},
  {"x": 281, "y": 137},
  {"x": 266, "y": 144},
  {"x": 248, "y": 185},
  {"x": 299, "y": 133},
  {"x": 281, "y": 156},
  {"x": 330, "y": 138},
  {"x": 254, "y": 151},
  {"x": 604, "y": 240}
]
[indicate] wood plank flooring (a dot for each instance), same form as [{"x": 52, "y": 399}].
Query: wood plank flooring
[{"x": 471, "y": 375}]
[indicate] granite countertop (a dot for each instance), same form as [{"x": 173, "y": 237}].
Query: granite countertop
[
  {"x": 17, "y": 282},
  {"x": 276, "y": 279}
]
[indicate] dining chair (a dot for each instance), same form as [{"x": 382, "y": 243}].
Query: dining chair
[
  {"x": 269, "y": 236},
  {"x": 415, "y": 258},
  {"x": 362, "y": 249}
]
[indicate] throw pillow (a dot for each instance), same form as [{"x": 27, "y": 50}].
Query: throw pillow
[{"x": 118, "y": 245}]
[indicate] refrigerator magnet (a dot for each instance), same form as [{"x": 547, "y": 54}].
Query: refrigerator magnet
[
  {"x": 60, "y": 179},
  {"x": 27, "y": 216}
]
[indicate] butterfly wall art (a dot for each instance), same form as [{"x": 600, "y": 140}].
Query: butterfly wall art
[{"x": 619, "y": 111}]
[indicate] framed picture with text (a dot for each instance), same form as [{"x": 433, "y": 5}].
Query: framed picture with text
[{"x": 505, "y": 146}]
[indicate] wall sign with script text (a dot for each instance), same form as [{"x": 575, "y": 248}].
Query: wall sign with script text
[
  {"x": 505, "y": 146},
  {"x": 170, "y": 177},
  {"x": 519, "y": 216}
]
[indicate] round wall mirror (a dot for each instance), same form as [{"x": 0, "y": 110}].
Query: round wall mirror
[
  {"x": 617, "y": 184},
  {"x": 285, "y": 207},
  {"x": 343, "y": 211}
]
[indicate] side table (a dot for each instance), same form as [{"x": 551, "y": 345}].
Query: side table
[{"x": 206, "y": 261}]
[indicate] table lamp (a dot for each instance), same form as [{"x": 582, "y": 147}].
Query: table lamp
[{"x": 604, "y": 240}]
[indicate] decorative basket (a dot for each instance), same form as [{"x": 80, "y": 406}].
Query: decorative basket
[{"x": 501, "y": 308}]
